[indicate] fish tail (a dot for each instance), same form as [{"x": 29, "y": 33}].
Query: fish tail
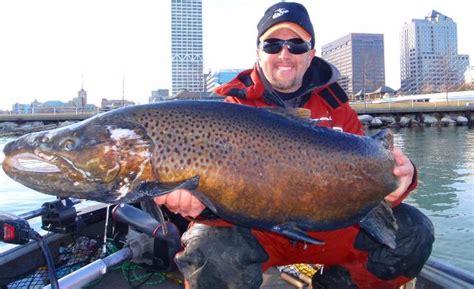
[{"x": 385, "y": 136}]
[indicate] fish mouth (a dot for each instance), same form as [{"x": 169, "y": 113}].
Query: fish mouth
[{"x": 28, "y": 162}]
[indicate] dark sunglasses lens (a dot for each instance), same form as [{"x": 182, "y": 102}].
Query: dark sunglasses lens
[
  {"x": 295, "y": 46},
  {"x": 272, "y": 46},
  {"x": 298, "y": 46}
]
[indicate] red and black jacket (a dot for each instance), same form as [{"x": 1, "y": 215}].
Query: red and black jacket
[{"x": 321, "y": 94}]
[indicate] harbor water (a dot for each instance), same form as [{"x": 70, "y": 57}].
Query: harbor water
[{"x": 444, "y": 158}]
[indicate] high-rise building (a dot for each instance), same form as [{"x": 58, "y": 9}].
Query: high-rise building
[
  {"x": 359, "y": 57},
  {"x": 429, "y": 59},
  {"x": 186, "y": 46}
]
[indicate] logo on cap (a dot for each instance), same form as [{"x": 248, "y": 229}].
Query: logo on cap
[{"x": 279, "y": 12}]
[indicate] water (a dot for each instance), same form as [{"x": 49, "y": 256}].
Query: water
[
  {"x": 445, "y": 161},
  {"x": 444, "y": 158}
]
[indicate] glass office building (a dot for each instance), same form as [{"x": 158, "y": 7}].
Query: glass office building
[
  {"x": 359, "y": 57},
  {"x": 429, "y": 59}
]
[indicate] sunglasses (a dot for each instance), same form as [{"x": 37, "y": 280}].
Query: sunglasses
[{"x": 294, "y": 45}]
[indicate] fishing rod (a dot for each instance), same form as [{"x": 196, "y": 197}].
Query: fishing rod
[{"x": 44, "y": 209}]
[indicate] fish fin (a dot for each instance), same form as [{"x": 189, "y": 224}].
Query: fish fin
[
  {"x": 385, "y": 136},
  {"x": 298, "y": 113},
  {"x": 380, "y": 223},
  {"x": 154, "y": 189},
  {"x": 292, "y": 231}
]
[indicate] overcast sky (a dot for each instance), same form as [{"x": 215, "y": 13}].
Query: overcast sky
[{"x": 46, "y": 46}]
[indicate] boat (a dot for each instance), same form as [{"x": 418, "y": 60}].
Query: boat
[{"x": 102, "y": 246}]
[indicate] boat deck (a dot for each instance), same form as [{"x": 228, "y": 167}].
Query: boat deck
[
  {"x": 23, "y": 266},
  {"x": 118, "y": 279}
]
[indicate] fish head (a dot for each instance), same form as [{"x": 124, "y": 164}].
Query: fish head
[{"x": 96, "y": 159}]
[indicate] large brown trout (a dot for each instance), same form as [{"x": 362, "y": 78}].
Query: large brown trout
[{"x": 250, "y": 166}]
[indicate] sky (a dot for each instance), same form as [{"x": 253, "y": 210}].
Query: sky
[{"x": 49, "y": 49}]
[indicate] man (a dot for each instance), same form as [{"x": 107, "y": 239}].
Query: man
[{"x": 288, "y": 74}]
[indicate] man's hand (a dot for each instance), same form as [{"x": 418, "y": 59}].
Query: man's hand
[
  {"x": 404, "y": 170},
  {"x": 181, "y": 202}
]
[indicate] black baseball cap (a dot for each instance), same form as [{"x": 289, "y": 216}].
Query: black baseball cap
[{"x": 290, "y": 15}]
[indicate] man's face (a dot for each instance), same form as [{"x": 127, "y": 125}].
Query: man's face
[{"x": 284, "y": 70}]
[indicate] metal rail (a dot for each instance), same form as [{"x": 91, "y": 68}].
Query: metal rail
[
  {"x": 413, "y": 107},
  {"x": 93, "y": 271},
  {"x": 447, "y": 274}
]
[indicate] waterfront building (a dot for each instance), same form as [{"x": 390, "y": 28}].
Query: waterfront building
[
  {"x": 81, "y": 99},
  {"x": 107, "y": 104},
  {"x": 381, "y": 92},
  {"x": 220, "y": 77},
  {"x": 56, "y": 106},
  {"x": 186, "y": 46},
  {"x": 429, "y": 59},
  {"x": 185, "y": 94},
  {"x": 21, "y": 108},
  {"x": 359, "y": 57},
  {"x": 159, "y": 95}
]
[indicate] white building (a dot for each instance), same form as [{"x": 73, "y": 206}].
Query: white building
[
  {"x": 186, "y": 46},
  {"x": 429, "y": 59}
]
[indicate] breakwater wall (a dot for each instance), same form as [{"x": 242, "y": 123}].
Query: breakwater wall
[
  {"x": 416, "y": 120},
  {"x": 411, "y": 114}
]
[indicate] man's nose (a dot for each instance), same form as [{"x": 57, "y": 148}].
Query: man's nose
[{"x": 284, "y": 52}]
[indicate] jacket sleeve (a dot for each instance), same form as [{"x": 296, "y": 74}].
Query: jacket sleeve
[
  {"x": 350, "y": 122},
  {"x": 336, "y": 101}
]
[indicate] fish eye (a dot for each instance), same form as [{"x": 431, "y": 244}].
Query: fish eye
[
  {"x": 68, "y": 145},
  {"x": 45, "y": 139}
]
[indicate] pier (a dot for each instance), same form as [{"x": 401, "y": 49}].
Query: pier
[
  {"x": 389, "y": 108},
  {"x": 373, "y": 115},
  {"x": 46, "y": 117},
  {"x": 413, "y": 107}
]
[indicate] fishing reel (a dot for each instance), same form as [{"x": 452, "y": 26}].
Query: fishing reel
[{"x": 60, "y": 216}]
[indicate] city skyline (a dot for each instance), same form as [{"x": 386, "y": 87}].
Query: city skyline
[{"x": 48, "y": 45}]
